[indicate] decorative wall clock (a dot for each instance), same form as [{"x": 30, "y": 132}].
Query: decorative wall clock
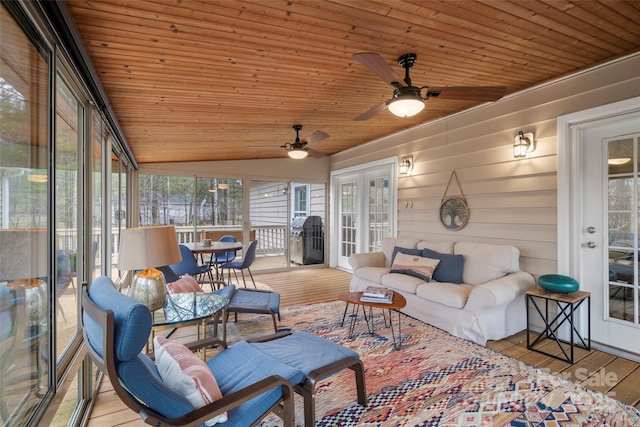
[{"x": 454, "y": 212}]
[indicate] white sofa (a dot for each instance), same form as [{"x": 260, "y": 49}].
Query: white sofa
[{"x": 489, "y": 304}]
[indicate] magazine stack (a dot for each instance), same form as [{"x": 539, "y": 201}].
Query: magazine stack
[{"x": 377, "y": 294}]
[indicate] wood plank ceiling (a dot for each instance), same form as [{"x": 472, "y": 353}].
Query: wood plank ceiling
[{"x": 202, "y": 80}]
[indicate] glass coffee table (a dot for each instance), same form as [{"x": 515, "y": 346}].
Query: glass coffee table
[
  {"x": 398, "y": 302},
  {"x": 191, "y": 308}
]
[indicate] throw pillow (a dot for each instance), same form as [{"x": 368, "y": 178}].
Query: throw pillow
[
  {"x": 185, "y": 284},
  {"x": 450, "y": 267},
  {"x": 184, "y": 372},
  {"x": 415, "y": 266},
  {"x": 401, "y": 250}
]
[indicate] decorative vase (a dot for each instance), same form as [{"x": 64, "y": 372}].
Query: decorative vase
[{"x": 558, "y": 283}]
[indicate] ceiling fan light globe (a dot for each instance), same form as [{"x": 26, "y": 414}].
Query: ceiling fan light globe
[
  {"x": 297, "y": 153},
  {"x": 406, "y": 106}
]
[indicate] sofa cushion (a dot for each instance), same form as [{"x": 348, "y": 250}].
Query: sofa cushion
[
  {"x": 415, "y": 266},
  {"x": 450, "y": 267},
  {"x": 402, "y": 282},
  {"x": 373, "y": 274},
  {"x": 401, "y": 250},
  {"x": 448, "y": 294},
  {"x": 390, "y": 242},
  {"x": 484, "y": 262},
  {"x": 437, "y": 246},
  {"x": 187, "y": 374}
]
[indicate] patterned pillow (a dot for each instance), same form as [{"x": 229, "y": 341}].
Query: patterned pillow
[
  {"x": 185, "y": 284},
  {"x": 184, "y": 372},
  {"x": 415, "y": 266}
]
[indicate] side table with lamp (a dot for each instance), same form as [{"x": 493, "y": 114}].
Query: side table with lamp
[{"x": 143, "y": 249}]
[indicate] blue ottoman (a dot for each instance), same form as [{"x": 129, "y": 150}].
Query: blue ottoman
[
  {"x": 256, "y": 301},
  {"x": 317, "y": 358}
]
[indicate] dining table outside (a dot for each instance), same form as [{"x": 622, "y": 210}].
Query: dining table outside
[{"x": 199, "y": 249}]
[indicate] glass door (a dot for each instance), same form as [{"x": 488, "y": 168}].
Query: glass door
[
  {"x": 269, "y": 216},
  {"x": 365, "y": 211}
]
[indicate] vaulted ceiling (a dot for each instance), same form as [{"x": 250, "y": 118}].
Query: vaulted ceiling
[{"x": 203, "y": 80}]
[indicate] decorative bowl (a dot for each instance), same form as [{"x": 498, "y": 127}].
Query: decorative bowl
[{"x": 558, "y": 283}]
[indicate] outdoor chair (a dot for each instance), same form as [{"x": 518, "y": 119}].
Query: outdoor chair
[
  {"x": 189, "y": 265},
  {"x": 245, "y": 263},
  {"x": 116, "y": 329},
  {"x": 218, "y": 259}
]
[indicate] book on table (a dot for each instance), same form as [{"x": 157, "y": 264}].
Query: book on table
[{"x": 377, "y": 294}]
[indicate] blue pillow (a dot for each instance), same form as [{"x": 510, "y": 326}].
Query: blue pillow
[
  {"x": 450, "y": 267},
  {"x": 399, "y": 249}
]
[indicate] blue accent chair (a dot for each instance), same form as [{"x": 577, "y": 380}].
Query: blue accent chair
[
  {"x": 189, "y": 265},
  {"x": 116, "y": 329},
  {"x": 218, "y": 259},
  {"x": 244, "y": 264}
]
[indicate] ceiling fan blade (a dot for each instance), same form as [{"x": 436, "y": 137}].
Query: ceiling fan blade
[
  {"x": 372, "y": 112},
  {"x": 475, "y": 93},
  {"x": 317, "y": 136},
  {"x": 314, "y": 153},
  {"x": 376, "y": 64},
  {"x": 264, "y": 146}
]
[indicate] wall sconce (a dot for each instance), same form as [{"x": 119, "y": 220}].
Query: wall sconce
[
  {"x": 522, "y": 145},
  {"x": 406, "y": 165}
]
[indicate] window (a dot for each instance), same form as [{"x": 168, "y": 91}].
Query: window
[
  {"x": 300, "y": 200},
  {"x": 25, "y": 282}
]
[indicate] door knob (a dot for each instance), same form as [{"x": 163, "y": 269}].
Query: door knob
[
  {"x": 591, "y": 230},
  {"x": 591, "y": 244}
]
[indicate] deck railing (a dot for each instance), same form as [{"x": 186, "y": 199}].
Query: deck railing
[{"x": 272, "y": 239}]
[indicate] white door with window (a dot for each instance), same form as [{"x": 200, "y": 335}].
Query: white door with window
[
  {"x": 602, "y": 228},
  {"x": 365, "y": 211}
]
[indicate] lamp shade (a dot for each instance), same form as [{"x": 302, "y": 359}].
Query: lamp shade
[
  {"x": 146, "y": 247},
  {"x": 297, "y": 153},
  {"x": 23, "y": 254}
]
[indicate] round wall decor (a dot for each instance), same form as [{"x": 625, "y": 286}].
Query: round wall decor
[{"x": 454, "y": 213}]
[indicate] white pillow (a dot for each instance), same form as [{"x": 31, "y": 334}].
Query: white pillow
[{"x": 184, "y": 372}]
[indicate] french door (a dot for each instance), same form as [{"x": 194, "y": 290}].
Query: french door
[
  {"x": 365, "y": 211},
  {"x": 602, "y": 250},
  {"x": 610, "y": 250}
]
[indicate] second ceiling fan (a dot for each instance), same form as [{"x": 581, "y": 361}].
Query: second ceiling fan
[
  {"x": 408, "y": 100},
  {"x": 298, "y": 149}
]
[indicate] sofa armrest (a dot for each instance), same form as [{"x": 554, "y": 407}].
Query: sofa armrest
[
  {"x": 499, "y": 292},
  {"x": 369, "y": 259}
]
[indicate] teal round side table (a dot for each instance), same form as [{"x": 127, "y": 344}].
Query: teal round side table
[{"x": 558, "y": 283}]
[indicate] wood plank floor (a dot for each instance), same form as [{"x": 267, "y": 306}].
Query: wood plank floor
[{"x": 613, "y": 375}]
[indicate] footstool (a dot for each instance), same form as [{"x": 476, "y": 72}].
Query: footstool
[
  {"x": 256, "y": 301},
  {"x": 318, "y": 359}
]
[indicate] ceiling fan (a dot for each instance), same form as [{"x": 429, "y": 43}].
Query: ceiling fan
[
  {"x": 299, "y": 149},
  {"x": 408, "y": 100}
]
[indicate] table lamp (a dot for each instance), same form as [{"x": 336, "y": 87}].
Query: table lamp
[
  {"x": 23, "y": 262},
  {"x": 143, "y": 249}
]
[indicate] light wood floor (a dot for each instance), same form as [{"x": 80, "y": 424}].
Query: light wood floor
[{"x": 601, "y": 371}]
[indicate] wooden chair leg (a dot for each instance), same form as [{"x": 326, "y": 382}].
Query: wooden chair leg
[{"x": 254, "y": 282}]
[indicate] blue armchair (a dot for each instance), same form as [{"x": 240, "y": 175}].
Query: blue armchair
[{"x": 116, "y": 329}]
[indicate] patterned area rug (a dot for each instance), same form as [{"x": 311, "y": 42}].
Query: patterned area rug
[{"x": 436, "y": 379}]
